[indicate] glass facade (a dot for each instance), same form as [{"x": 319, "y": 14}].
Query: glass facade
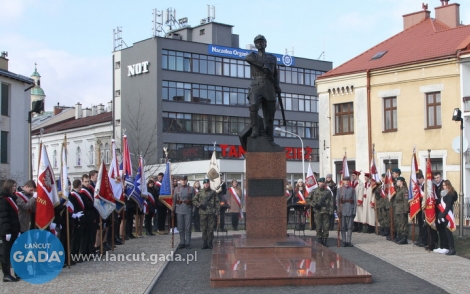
[{"x": 211, "y": 65}]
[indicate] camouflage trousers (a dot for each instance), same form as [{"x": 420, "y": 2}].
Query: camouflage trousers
[
  {"x": 207, "y": 226},
  {"x": 322, "y": 224},
  {"x": 401, "y": 224},
  {"x": 384, "y": 217}
]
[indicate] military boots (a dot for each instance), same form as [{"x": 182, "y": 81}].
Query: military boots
[
  {"x": 204, "y": 245},
  {"x": 210, "y": 244}
]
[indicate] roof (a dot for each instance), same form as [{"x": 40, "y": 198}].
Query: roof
[
  {"x": 17, "y": 77},
  {"x": 72, "y": 123},
  {"x": 37, "y": 91},
  {"x": 426, "y": 41}
]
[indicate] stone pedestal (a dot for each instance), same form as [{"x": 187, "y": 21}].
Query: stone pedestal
[{"x": 266, "y": 207}]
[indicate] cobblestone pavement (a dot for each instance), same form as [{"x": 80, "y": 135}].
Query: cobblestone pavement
[
  {"x": 449, "y": 273},
  {"x": 107, "y": 276}
]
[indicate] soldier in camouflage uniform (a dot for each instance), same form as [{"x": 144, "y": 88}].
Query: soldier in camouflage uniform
[
  {"x": 383, "y": 209},
  {"x": 322, "y": 202},
  {"x": 401, "y": 208},
  {"x": 208, "y": 203}
]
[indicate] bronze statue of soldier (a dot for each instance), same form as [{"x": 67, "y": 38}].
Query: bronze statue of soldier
[{"x": 264, "y": 87}]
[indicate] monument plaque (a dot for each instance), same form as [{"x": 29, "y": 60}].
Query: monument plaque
[{"x": 265, "y": 187}]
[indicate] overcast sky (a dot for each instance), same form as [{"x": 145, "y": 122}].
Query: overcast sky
[{"x": 72, "y": 41}]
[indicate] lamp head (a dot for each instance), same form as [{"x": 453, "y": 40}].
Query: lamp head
[
  {"x": 279, "y": 130},
  {"x": 457, "y": 116}
]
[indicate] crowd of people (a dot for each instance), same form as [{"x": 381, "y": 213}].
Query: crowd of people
[{"x": 364, "y": 207}]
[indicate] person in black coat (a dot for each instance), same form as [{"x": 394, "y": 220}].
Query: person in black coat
[
  {"x": 9, "y": 225},
  {"x": 449, "y": 196},
  {"x": 151, "y": 207}
]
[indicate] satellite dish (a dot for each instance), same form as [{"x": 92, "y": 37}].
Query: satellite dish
[{"x": 456, "y": 144}]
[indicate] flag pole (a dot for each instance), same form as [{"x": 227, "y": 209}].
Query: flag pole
[
  {"x": 112, "y": 231},
  {"x": 101, "y": 235},
  {"x": 66, "y": 208},
  {"x": 37, "y": 182},
  {"x": 390, "y": 200},
  {"x": 413, "y": 220},
  {"x": 427, "y": 195},
  {"x": 375, "y": 205}
]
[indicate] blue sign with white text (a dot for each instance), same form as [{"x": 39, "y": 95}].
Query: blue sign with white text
[{"x": 238, "y": 53}]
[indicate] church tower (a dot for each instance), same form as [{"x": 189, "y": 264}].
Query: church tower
[{"x": 37, "y": 93}]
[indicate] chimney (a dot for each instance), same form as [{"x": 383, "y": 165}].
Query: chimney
[
  {"x": 94, "y": 110},
  {"x": 78, "y": 110},
  {"x": 448, "y": 14},
  {"x": 57, "y": 109},
  {"x": 110, "y": 106},
  {"x": 100, "y": 108},
  {"x": 4, "y": 60},
  {"x": 411, "y": 19},
  {"x": 86, "y": 112}
]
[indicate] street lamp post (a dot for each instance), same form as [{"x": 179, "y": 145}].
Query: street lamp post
[
  {"x": 457, "y": 116},
  {"x": 279, "y": 130}
]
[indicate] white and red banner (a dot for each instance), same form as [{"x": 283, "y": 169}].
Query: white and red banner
[
  {"x": 373, "y": 169},
  {"x": 236, "y": 197},
  {"x": 345, "y": 169},
  {"x": 429, "y": 196},
  {"x": 414, "y": 192},
  {"x": 104, "y": 198},
  {"x": 310, "y": 181},
  {"x": 115, "y": 179},
  {"x": 48, "y": 198},
  {"x": 126, "y": 157},
  {"x": 390, "y": 186}
]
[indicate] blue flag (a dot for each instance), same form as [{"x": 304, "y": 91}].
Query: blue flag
[
  {"x": 165, "y": 189},
  {"x": 132, "y": 189}
]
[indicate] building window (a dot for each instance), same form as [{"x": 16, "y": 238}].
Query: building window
[
  {"x": 202, "y": 32},
  {"x": 33, "y": 161},
  {"x": 117, "y": 65},
  {"x": 118, "y": 93},
  {"x": 91, "y": 155},
  {"x": 106, "y": 153},
  {"x": 390, "y": 164},
  {"x": 339, "y": 168},
  {"x": 79, "y": 156},
  {"x": 344, "y": 118},
  {"x": 433, "y": 110},
  {"x": 101, "y": 154},
  {"x": 4, "y": 147},
  {"x": 5, "y": 99},
  {"x": 390, "y": 114},
  {"x": 54, "y": 159},
  {"x": 437, "y": 166}
]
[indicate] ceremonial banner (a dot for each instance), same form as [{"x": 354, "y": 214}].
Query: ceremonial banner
[
  {"x": 345, "y": 169},
  {"x": 134, "y": 187},
  {"x": 166, "y": 188},
  {"x": 213, "y": 173},
  {"x": 310, "y": 181},
  {"x": 373, "y": 169},
  {"x": 104, "y": 198},
  {"x": 429, "y": 197},
  {"x": 414, "y": 192},
  {"x": 126, "y": 157},
  {"x": 63, "y": 183},
  {"x": 115, "y": 180},
  {"x": 48, "y": 198},
  {"x": 390, "y": 186}
]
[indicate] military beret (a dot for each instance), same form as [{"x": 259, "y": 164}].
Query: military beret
[
  {"x": 206, "y": 181},
  {"x": 383, "y": 175},
  {"x": 321, "y": 180},
  {"x": 396, "y": 170},
  {"x": 401, "y": 179}
]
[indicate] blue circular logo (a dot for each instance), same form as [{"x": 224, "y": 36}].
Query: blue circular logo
[
  {"x": 37, "y": 256},
  {"x": 287, "y": 60}
]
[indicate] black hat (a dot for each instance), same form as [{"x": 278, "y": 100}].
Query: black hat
[
  {"x": 396, "y": 170},
  {"x": 259, "y": 37},
  {"x": 184, "y": 178},
  {"x": 206, "y": 181}
]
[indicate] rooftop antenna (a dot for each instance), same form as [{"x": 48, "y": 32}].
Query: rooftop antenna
[
  {"x": 210, "y": 13},
  {"x": 171, "y": 21},
  {"x": 117, "y": 40},
  {"x": 157, "y": 28},
  {"x": 291, "y": 52}
]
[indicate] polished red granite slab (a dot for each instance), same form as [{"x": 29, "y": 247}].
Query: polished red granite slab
[{"x": 283, "y": 266}]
